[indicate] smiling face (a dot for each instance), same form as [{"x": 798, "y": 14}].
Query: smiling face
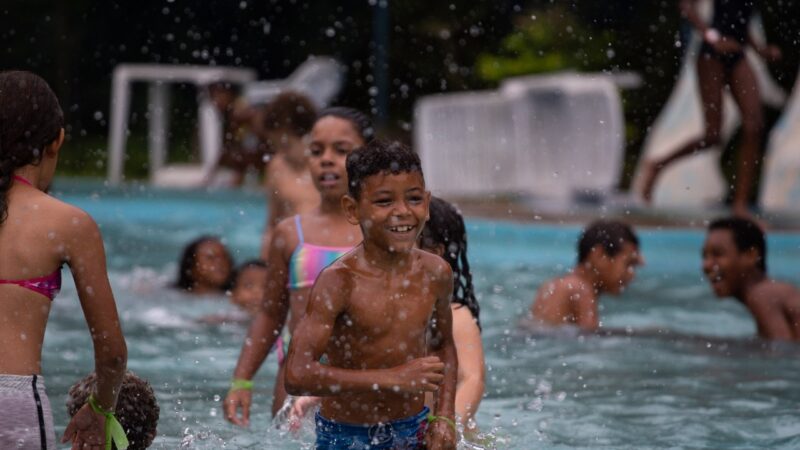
[
  {"x": 391, "y": 209},
  {"x": 724, "y": 265},
  {"x": 617, "y": 271},
  {"x": 332, "y": 139}
]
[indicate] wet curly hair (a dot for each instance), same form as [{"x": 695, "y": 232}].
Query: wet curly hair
[
  {"x": 379, "y": 156},
  {"x": 137, "y": 408}
]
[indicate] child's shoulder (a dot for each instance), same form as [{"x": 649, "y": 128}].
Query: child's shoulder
[
  {"x": 774, "y": 291},
  {"x": 568, "y": 284},
  {"x": 433, "y": 264},
  {"x": 68, "y": 217}
]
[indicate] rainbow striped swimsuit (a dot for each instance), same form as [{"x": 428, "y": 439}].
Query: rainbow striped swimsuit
[{"x": 308, "y": 260}]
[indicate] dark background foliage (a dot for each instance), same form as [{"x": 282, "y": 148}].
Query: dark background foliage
[{"x": 432, "y": 47}]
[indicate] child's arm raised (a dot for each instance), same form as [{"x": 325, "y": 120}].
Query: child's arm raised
[
  {"x": 442, "y": 434},
  {"x": 84, "y": 252},
  {"x": 263, "y": 331},
  {"x": 306, "y": 376}
]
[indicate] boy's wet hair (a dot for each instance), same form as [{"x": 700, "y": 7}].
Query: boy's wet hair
[
  {"x": 137, "y": 408},
  {"x": 30, "y": 120},
  {"x": 446, "y": 227},
  {"x": 291, "y": 111},
  {"x": 746, "y": 235},
  {"x": 186, "y": 265},
  {"x": 611, "y": 234},
  {"x": 246, "y": 265},
  {"x": 377, "y": 157},
  {"x": 360, "y": 121}
]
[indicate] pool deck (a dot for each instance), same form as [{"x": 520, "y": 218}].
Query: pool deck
[{"x": 528, "y": 210}]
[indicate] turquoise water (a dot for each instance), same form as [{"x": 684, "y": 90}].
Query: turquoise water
[{"x": 706, "y": 384}]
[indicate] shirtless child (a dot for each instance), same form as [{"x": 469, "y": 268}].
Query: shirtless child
[
  {"x": 734, "y": 261},
  {"x": 608, "y": 254},
  {"x": 374, "y": 312}
]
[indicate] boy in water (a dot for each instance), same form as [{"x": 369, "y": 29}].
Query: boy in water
[
  {"x": 374, "y": 312},
  {"x": 608, "y": 254},
  {"x": 734, "y": 261}
]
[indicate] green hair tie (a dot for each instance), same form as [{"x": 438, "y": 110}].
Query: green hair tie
[
  {"x": 114, "y": 431},
  {"x": 447, "y": 420},
  {"x": 239, "y": 383}
]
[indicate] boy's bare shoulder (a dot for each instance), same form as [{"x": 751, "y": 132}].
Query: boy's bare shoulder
[
  {"x": 566, "y": 285},
  {"x": 434, "y": 265},
  {"x": 777, "y": 292}
]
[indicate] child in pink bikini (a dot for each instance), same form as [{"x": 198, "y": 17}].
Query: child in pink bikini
[
  {"x": 39, "y": 234},
  {"x": 300, "y": 248}
]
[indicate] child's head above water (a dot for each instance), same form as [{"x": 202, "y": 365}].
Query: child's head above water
[
  {"x": 250, "y": 285},
  {"x": 734, "y": 249},
  {"x": 358, "y": 120},
  {"x": 137, "y": 408},
  {"x": 611, "y": 248},
  {"x": 205, "y": 266},
  {"x": 386, "y": 194},
  {"x": 445, "y": 235},
  {"x": 31, "y": 120}
]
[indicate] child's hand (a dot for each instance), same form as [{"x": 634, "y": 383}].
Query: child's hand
[
  {"x": 419, "y": 375},
  {"x": 300, "y": 408},
  {"x": 440, "y": 436},
  {"x": 86, "y": 430},
  {"x": 233, "y": 401}
]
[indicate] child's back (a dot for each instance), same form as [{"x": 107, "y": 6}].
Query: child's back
[{"x": 566, "y": 300}]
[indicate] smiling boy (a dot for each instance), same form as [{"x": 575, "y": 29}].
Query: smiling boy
[
  {"x": 608, "y": 254},
  {"x": 374, "y": 312},
  {"x": 734, "y": 261}
]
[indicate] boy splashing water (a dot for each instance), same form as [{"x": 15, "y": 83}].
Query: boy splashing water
[
  {"x": 734, "y": 261},
  {"x": 373, "y": 312}
]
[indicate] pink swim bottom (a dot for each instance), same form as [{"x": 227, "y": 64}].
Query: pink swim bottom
[{"x": 26, "y": 420}]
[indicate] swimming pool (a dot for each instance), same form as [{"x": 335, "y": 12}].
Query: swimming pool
[{"x": 550, "y": 392}]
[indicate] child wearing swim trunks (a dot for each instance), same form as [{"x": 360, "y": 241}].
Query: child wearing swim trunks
[
  {"x": 38, "y": 235},
  {"x": 301, "y": 246},
  {"x": 608, "y": 255},
  {"x": 137, "y": 407},
  {"x": 381, "y": 315},
  {"x": 445, "y": 235},
  {"x": 288, "y": 119},
  {"x": 735, "y": 264},
  {"x": 206, "y": 267}
]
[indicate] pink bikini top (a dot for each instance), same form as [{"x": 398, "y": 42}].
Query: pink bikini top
[{"x": 48, "y": 285}]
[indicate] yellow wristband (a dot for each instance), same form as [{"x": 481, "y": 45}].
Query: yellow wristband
[
  {"x": 239, "y": 383},
  {"x": 114, "y": 431},
  {"x": 447, "y": 420}
]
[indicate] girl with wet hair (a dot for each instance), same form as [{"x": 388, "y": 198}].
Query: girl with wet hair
[
  {"x": 38, "y": 235},
  {"x": 206, "y": 267},
  {"x": 300, "y": 247},
  {"x": 446, "y": 235}
]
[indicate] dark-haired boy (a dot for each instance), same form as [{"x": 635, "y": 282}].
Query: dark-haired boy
[
  {"x": 373, "y": 312},
  {"x": 734, "y": 261},
  {"x": 608, "y": 254}
]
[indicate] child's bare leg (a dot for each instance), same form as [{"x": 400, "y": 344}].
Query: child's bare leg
[
  {"x": 745, "y": 91},
  {"x": 711, "y": 80}
]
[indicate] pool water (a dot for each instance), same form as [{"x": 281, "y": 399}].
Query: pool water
[{"x": 704, "y": 384}]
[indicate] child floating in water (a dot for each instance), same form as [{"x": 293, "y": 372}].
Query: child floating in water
[
  {"x": 137, "y": 407},
  {"x": 445, "y": 235},
  {"x": 735, "y": 263},
  {"x": 247, "y": 294},
  {"x": 371, "y": 313},
  {"x": 38, "y": 235},
  {"x": 206, "y": 267},
  {"x": 608, "y": 254},
  {"x": 290, "y": 190}
]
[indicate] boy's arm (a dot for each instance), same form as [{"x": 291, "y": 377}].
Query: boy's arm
[
  {"x": 306, "y": 376},
  {"x": 585, "y": 303},
  {"x": 442, "y": 433}
]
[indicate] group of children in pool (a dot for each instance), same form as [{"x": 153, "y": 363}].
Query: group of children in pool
[{"x": 372, "y": 281}]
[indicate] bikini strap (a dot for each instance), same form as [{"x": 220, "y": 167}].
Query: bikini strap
[
  {"x": 299, "y": 228},
  {"x": 22, "y": 179}
]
